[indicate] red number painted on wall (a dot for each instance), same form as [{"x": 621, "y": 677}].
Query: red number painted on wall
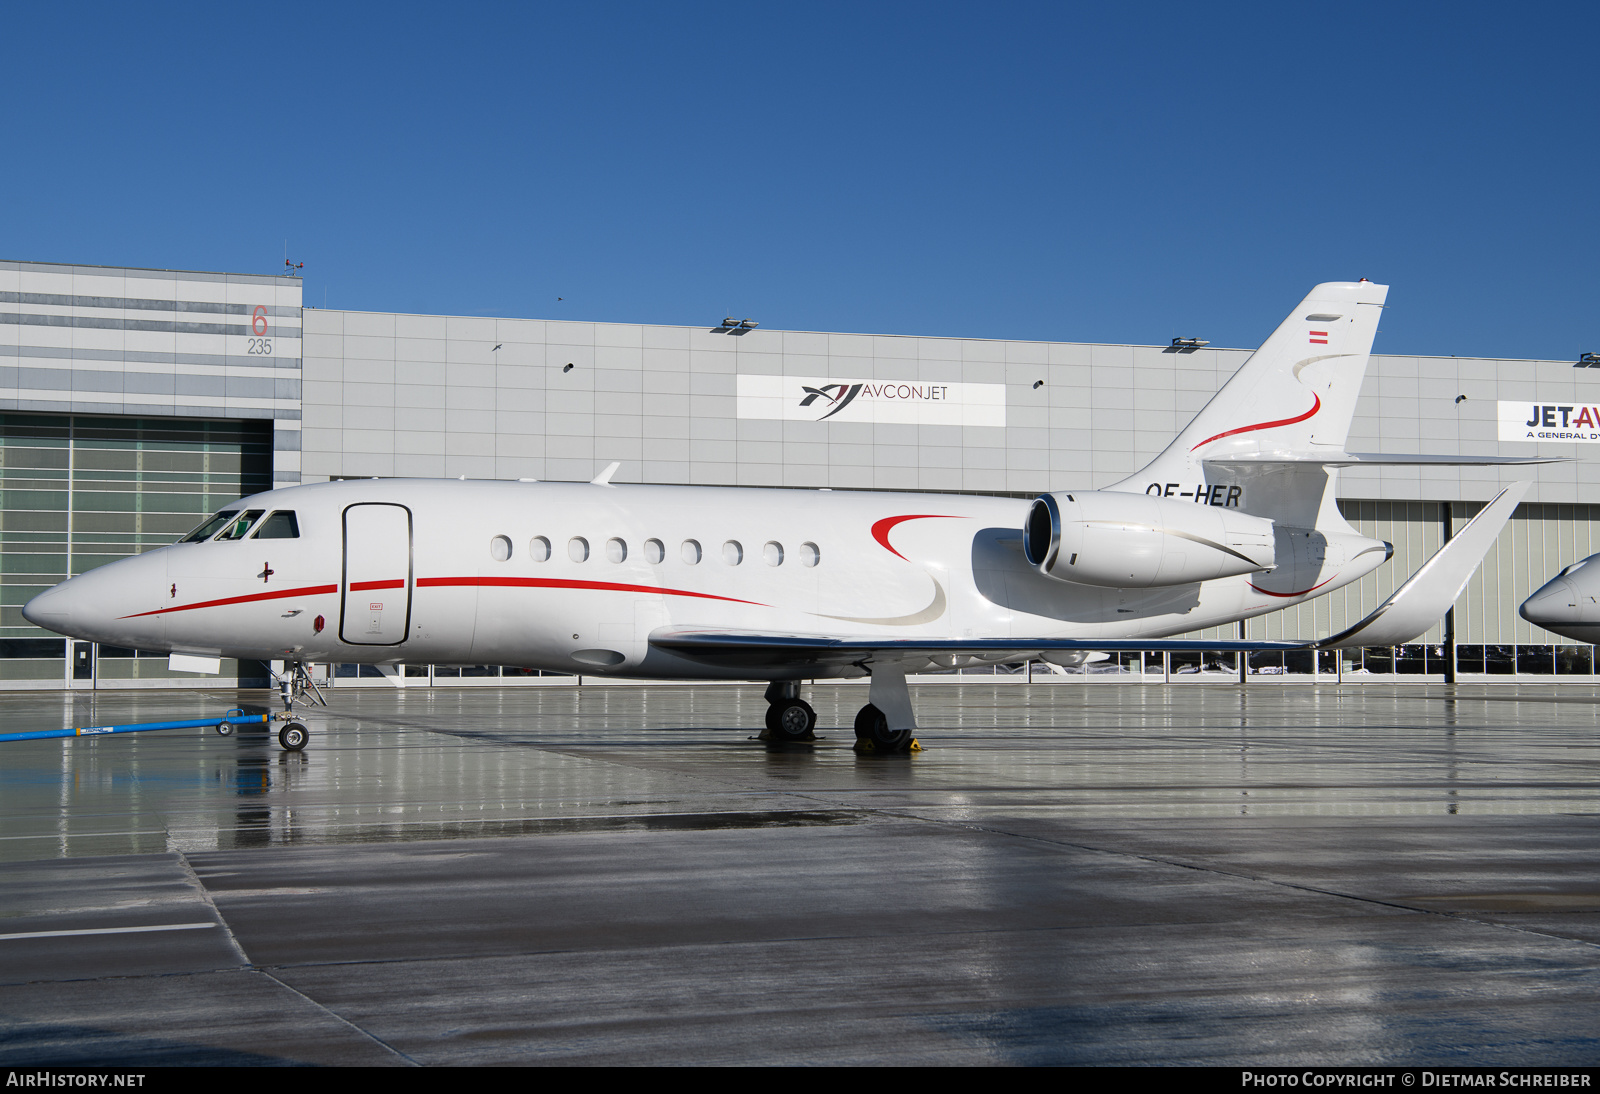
[{"x": 259, "y": 322}]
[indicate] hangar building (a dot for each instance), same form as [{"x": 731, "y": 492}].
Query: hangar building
[{"x": 134, "y": 402}]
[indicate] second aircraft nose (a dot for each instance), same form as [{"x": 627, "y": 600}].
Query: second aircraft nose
[{"x": 1555, "y": 602}]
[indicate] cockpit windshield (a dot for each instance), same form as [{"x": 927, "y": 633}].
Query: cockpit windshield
[
  {"x": 209, "y": 528},
  {"x": 280, "y": 525},
  {"x": 241, "y": 527}
]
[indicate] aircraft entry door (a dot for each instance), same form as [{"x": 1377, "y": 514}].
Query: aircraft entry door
[{"x": 376, "y": 609}]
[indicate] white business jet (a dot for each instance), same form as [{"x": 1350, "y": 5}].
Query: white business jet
[
  {"x": 1569, "y": 603},
  {"x": 1235, "y": 519}
]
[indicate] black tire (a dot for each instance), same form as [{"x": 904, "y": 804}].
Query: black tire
[
  {"x": 293, "y": 737},
  {"x": 870, "y": 720},
  {"x": 871, "y": 725},
  {"x": 791, "y": 720},
  {"x": 224, "y": 729}
]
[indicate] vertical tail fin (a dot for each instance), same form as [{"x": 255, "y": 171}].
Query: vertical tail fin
[{"x": 1295, "y": 396}]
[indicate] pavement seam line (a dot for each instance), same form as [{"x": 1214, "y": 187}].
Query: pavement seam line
[
  {"x": 337, "y": 1017},
  {"x": 1457, "y": 916},
  {"x": 205, "y": 894}
]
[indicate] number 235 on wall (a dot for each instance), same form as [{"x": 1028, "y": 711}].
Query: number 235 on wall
[{"x": 259, "y": 345}]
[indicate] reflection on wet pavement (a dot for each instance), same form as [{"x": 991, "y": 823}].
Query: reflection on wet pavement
[{"x": 441, "y": 764}]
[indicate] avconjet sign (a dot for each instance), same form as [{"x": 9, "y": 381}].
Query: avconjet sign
[{"x": 842, "y": 399}]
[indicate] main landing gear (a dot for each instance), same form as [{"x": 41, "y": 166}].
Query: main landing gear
[
  {"x": 887, "y": 723},
  {"x": 874, "y": 735},
  {"x": 789, "y": 717}
]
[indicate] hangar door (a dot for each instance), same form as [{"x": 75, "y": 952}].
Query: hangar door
[{"x": 377, "y": 575}]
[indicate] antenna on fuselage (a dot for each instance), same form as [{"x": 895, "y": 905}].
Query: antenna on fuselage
[{"x": 604, "y": 478}]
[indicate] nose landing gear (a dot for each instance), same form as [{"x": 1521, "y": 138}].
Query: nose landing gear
[{"x": 296, "y": 686}]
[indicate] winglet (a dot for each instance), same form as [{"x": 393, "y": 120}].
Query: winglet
[
  {"x": 604, "y": 478},
  {"x": 1423, "y": 600}
]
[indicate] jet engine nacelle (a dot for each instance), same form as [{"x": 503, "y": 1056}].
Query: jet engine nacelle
[{"x": 1135, "y": 541}]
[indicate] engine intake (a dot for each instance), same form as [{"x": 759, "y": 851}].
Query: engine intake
[{"x": 1136, "y": 541}]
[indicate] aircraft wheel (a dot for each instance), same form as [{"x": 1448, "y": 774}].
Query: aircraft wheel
[
  {"x": 791, "y": 720},
  {"x": 293, "y": 737},
  {"x": 224, "y": 729},
  {"x": 871, "y": 725}
]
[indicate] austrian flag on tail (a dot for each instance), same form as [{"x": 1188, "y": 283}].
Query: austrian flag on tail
[{"x": 1319, "y": 337}]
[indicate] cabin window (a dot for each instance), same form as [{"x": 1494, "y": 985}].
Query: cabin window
[
  {"x": 280, "y": 525},
  {"x": 616, "y": 550},
  {"x": 809, "y": 554},
  {"x": 241, "y": 527},
  {"x": 654, "y": 551},
  {"x": 772, "y": 553},
  {"x": 578, "y": 549},
  {"x": 210, "y": 527},
  {"x": 691, "y": 551},
  {"x": 500, "y": 548},
  {"x": 539, "y": 549},
  {"x": 733, "y": 552}
]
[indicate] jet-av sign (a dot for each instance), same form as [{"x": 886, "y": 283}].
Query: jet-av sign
[
  {"x": 1549, "y": 422},
  {"x": 904, "y": 402}
]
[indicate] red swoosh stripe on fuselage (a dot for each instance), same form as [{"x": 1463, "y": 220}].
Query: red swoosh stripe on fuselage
[
  {"x": 276, "y": 594},
  {"x": 1316, "y": 405},
  {"x": 443, "y": 582},
  {"x": 881, "y": 529},
  {"x": 562, "y": 583},
  {"x": 1302, "y": 592}
]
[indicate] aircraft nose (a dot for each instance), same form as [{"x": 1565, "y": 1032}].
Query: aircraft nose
[
  {"x": 1556, "y": 602},
  {"x": 51, "y": 609}
]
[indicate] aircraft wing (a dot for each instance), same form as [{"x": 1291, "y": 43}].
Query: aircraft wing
[
  {"x": 1423, "y": 600},
  {"x": 1411, "y": 610},
  {"x": 753, "y": 649}
]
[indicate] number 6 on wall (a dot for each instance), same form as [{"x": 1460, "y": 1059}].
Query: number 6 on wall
[{"x": 258, "y": 322}]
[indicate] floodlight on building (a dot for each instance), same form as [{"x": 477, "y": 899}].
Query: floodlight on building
[
  {"x": 1189, "y": 344},
  {"x": 748, "y": 324},
  {"x": 730, "y": 322},
  {"x": 1588, "y": 360}
]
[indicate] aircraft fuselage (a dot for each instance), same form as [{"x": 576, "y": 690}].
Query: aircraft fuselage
[{"x": 575, "y": 577}]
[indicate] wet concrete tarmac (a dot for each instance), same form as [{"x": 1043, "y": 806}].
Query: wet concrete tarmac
[{"x": 1070, "y": 873}]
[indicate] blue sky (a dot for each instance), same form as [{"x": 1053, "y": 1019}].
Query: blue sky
[{"x": 1116, "y": 173}]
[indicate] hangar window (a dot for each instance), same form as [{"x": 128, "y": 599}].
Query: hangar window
[
  {"x": 280, "y": 525},
  {"x": 810, "y": 555},
  {"x": 241, "y": 527},
  {"x": 733, "y": 552},
  {"x": 210, "y": 527},
  {"x": 691, "y": 551},
  {"x": 773, "y": 553},
  {"x": 539, "y": 549},
  {"x": 578, "y": 549},
  {"x": 654, "y": 551},
  {"x": 500, "y": 548},
  {"x": 616, "y": 550}
]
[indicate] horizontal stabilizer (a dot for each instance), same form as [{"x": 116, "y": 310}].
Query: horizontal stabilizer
[
  {"x": 1378, "y": 459},
  {"x": 1423, "y": 600}
]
